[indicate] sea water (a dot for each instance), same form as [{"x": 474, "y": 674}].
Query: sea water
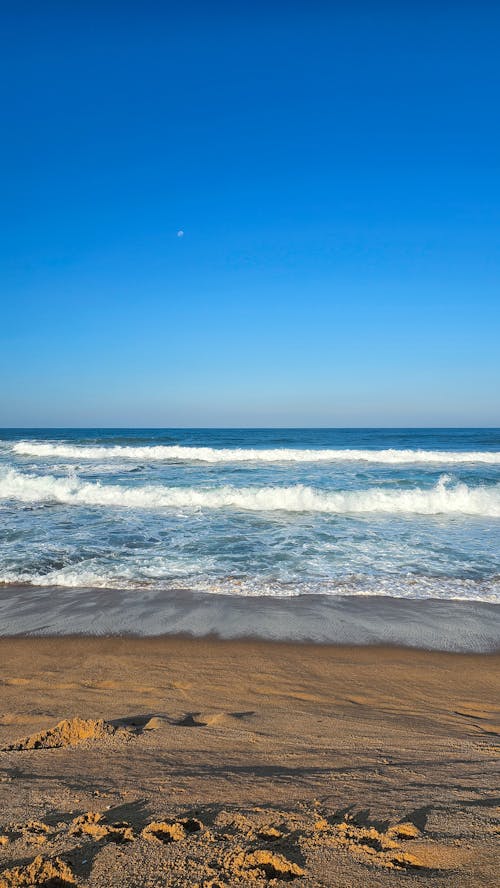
[{"x": 411, "y": 514}]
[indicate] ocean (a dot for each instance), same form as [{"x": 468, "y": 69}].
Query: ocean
[{"x": 155, "y": 515}]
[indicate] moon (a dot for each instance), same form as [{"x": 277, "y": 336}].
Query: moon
[{"x": 180, "y": 233}]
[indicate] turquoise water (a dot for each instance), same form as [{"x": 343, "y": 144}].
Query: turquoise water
[{"x": 401, "y": 513}]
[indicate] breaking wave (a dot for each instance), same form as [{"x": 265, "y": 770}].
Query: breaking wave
[
  {"x": 445, "y": 497},
  {"x": 223, "y": 455}
]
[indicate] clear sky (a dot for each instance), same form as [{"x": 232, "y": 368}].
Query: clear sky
[{"x": 335, "y": 169}]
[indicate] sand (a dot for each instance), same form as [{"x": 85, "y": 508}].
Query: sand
[{"x": 197, "y": 762}]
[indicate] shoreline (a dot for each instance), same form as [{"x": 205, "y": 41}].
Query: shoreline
[
  {"x": 249, "y": 641},
  {"x": 425, "y": 624}
]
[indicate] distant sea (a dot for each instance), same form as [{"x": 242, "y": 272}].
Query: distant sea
[{"x": 274, "y": 514}]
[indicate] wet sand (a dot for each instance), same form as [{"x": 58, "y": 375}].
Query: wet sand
[
  {"x": 187, "y": 762},
  {"x": 433, "y": 624}
]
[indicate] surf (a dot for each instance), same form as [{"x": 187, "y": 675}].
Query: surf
[
  {"x": 444, "y": 498},
  {"x": 180, "y": 453}
]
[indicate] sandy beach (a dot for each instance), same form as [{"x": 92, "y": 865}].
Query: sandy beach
[{"x": 187, "y": 762}]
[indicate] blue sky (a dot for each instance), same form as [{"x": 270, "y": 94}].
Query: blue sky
[{"x": 335, "y": 170}]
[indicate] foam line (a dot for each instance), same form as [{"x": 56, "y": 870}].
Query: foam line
[
  {"x": 225, "y": 455},
  {"x": 443, "y": 498}
]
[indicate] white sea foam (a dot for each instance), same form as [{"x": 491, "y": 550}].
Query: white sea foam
[
  {"x": 135, "y": 576},
  {"x": 444, "y": 497},
  {"x": 227, "y": 455}
]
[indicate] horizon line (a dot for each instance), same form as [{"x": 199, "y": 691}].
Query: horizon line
[{"x": 248, "y": 428}]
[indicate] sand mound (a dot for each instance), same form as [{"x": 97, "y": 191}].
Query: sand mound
[
  {"x": 161, "y": 831},
  {"x": 406, "y": 830},
  {"x": 368, "y": 843},
  {"x": 39, "y": 873},
  {"x": 257, "y": 846},
  {"x": 89, "y": 824},
  {"x": 92, "y": 824},
  {"x": 167, "y": 831},
  {"x": 270, "y": 834},
  {"x": 69, "y": 732},
  {"x": 264, "y": 864},
  {"x": 34, "y": 831}
]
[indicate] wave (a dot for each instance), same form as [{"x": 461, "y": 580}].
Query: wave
[
  {"x": 444, "y": 497},
  {"x": 223, "y": 455},
  {"x": 132, "y": 578}
]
